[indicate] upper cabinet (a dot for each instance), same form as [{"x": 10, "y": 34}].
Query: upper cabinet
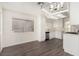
[{"x": 74, "y": 13}]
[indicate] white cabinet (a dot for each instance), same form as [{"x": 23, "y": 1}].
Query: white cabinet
[
  {"x": 52, "y": 35},
  {"x": 74, "y": 13},
  {"x": 58, "y": 34},
  {"x": 55, "y": 34},
  {"x": 71, "y": 44}
]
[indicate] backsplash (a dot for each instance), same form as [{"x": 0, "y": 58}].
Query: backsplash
[{"x": 74, "y": 28}]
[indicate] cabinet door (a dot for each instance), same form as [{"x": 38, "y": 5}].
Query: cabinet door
[
  {"x": 67, "y": 42},
  {"x": 74, "y": 13}
]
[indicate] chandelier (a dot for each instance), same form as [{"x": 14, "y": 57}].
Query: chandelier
[
  {"x": 54, "y": 10},
  {"x": 53, "y": 6}
]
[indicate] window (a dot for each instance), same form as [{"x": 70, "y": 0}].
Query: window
[{"x": 22, "y": 25}]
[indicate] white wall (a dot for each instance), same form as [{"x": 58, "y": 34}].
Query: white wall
[
  {"x": 11, "y": 37},
  {"x": 0, "y": 31},
  {"x": 74, "y": 13},
  {"x": 0, "y": 28},
  {"x": 25, "y": 11},
  {"x": 22, "y": 10}
]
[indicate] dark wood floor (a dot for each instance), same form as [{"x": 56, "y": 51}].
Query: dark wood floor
[{"x": 51, "y": 47}]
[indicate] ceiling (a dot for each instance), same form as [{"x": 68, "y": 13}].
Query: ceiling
[{"x": 35, "y": 9}]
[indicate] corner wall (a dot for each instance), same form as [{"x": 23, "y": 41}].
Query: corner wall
[{"x": 40, "y": 27}]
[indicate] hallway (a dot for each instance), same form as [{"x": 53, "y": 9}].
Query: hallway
[{"x": 51, "y": 47}]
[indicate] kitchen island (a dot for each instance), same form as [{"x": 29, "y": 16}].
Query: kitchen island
[{"x": 71, "y": 43}]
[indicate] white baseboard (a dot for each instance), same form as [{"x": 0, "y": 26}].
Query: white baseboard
[
  {"x": 70, "y": 52},
  {"x": 18, "y": 43}
]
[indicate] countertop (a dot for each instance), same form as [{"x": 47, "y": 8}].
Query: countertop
[{"x": 72, "y": 32}]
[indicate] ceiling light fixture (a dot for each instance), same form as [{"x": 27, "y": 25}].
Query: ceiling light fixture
[
  {"x": 53, "y": 10},
  {"x": 52, "y": 5}
]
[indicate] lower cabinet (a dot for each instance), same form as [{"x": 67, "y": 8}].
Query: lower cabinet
[{"x": 71, "y": 44}]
